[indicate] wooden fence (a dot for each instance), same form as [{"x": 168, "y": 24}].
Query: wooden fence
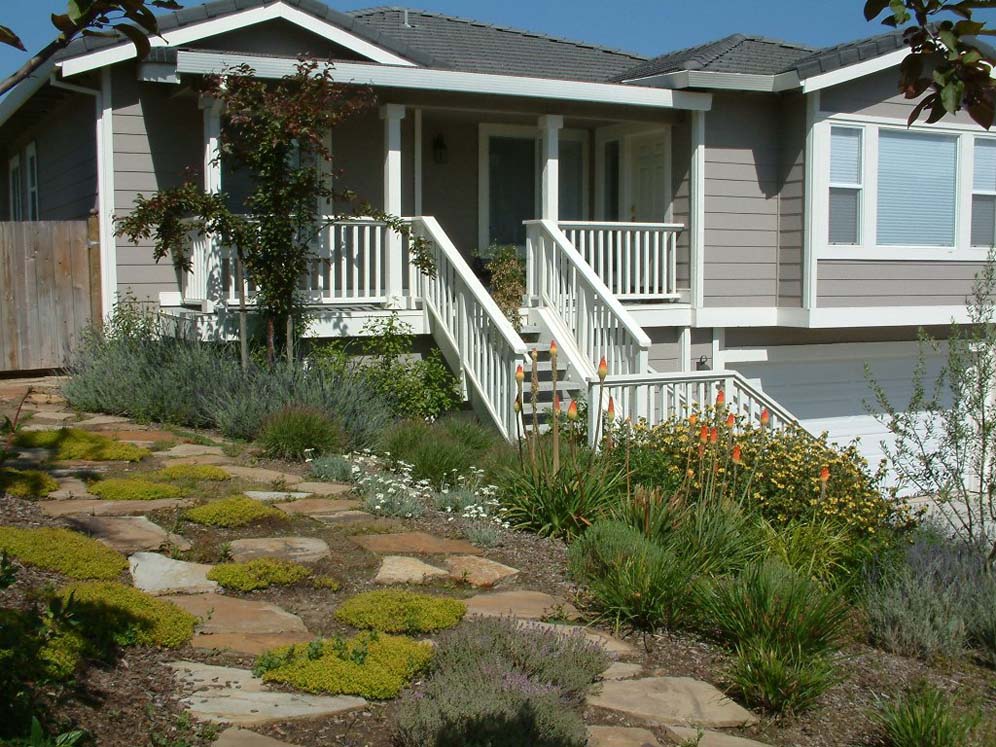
[{"x": 50, "y": 290}]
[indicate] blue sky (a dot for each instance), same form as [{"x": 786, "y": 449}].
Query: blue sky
[{"x": 646, "y": 26}]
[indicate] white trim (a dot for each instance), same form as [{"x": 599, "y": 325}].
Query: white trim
[
  {"x": 213, "y": 63},
  {"x": 678, "y": 315},
  {"x": 24, "y": 90},
  {"x": 719, "y": 348},
  {"x": 852, "y": 72},
  {"x": 32, "y": 206},
  {"x": 942, "y": 127},
  {"x": 417, "y": 162},
  {"x": 816, "y": 209},
  {"x": 392, "y": 114},
  {"x": 685, "y": 349},
  {"x": 722, "y": 81},
  {"x": 15, "y": 189},
  {"x": 549, "y": 126},
  {"x": 232, "y": 22},
  {"x": 697, "y": 209},
  {"x": 105, "y": 196}
]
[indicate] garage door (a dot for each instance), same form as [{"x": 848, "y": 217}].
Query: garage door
[{"x": 830, "y": 393}]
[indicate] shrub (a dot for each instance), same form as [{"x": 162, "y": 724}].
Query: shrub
[
  {"x": 64, "y": 551},
  {"x": 394, "y": 611},
  {"x": 72, "y": 443},
  {"x": 775, "y": 607},
  {"x": 133, "y": 489},
  {"x": 768, "y": 677},
  {"x": 260, "y": 573},
  {"x": 110, "y": 612},
  {"x": 296, "y": 432},
  {"x": 235, "y": 511},
  {"x": 207, "y": 472},
  {"x": 332, "y": 468},
  {"x": 632, "y": 579},
  {"x": 824, "y": 551},
  {"x": 925, "y": 717},
  {"x": 369, "y": 665},
  {"x": 393, "y": 494},
  {"x": 482, "y": 533},
  {"x": 26, "y": 483},
  {"x": 938, "y": 600}
]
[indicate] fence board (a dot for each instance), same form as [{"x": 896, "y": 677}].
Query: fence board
[{"x": 47, "y": 286}]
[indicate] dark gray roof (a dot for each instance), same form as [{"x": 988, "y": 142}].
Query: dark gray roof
[
  {"x": 842, "y": 55},
  {"x": 474, "y": 46},
  {"x": 733, "y": 54}
]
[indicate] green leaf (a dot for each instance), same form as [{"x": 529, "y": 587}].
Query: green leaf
[
  {"x": 65, "y": 26},
  {"x": 899, "y": 12},
  {"x": 874, "y": 7},
  {"x": 952, "y": 95},
  {"x": 74, "y": 10},
  {"x": 138, "y": 38},
  {"x": 10, "y": 38}
]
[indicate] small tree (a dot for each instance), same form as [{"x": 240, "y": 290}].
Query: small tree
[{"x": 945, "y": 438}]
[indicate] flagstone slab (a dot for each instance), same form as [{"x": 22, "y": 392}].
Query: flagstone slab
[
  {"x": 317, "y": 507},
  {"x": 157, "y": 574},
  {"x": 401, "y": 569},
  {"x": 101, "y": 421},
  {"x": 324, "y": 488},
  {"x": 272, "y": 496},
  {"x": 523, "y": 605},
  {"x": 127, "y": 534},
  {"x": 236, "y": 737},
  {"x": 70, "y": 487},
  {"x": 479, "y": 572},
  {"x": 613, "y": 646},
  {"x": 97, "y": 507},
  {"x": 135, "y": 434},
  {"x": 52, "y": 416},
  {"x": 348, "y": 517},
  {"x": 296, "y": 549},
  {"x": 249, "y": 644},
  {"x": 235, "y": 696},
  {"x": 678, "y": 701},
  {"x": 621, "y": 736},
  {"x": 621, "y": 670},
  {"x": 212, "y": 459},
  {"x": 414, "y": 543},
  {"x": 683, "y": 734},
  {"x": 191, "y": 450},
  {"x": 43, "y": 397},
  {"x": 221, "y": 615},
  {"x": 258, "y": 474}
]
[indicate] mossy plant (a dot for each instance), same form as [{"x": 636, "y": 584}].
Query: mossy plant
[
  {"x": 393, "y": 611},
  {"x": 63, "y": 551},
  {"x": 133, "y": 489},
  {"x": 260, "y": 573},
  {"x": 127, "y": 616},
  {"x": 369, "y": 665},
  {"x": 326, "y": 582},
  {"x": 26, "y": 483},
  {"x": 236, "y": 511},
  {"x": 73, "y": 443},
  {"x": 207, "y": 472}
]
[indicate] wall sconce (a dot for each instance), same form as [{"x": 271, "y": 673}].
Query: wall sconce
[
  {"x": 702, "y": 364},
  {"x": 440, "y": 153}
]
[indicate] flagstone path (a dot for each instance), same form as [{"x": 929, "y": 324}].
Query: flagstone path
[
  {"x": 295, "y": 549},
  {"x": 127, "y": 534},
  {"x": 414, "y": 543},
  {"x": 680, "y": 701},
  {"x": 238, "y": 737},
  {"x": 157, "y": 574}
]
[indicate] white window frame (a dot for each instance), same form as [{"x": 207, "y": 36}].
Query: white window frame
[
  {"x": 868, "y": 248},
  {"x": 30, "y": 177},
  {"x": 15, "y": 188},
  {"x": 974, "y": 191},
  {"x": 858, "y": 187}
]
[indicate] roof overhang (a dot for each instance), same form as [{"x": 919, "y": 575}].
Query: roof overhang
[
  {"x": 683, "y": 79},
  {"x": 820, "y": 81},
  {"x": 27, "y": 88},
  {"x": 196, "y": 62},
  {"x": 194, "y": 32}
]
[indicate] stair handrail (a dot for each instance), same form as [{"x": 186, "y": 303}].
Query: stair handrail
[
  {"x": 469, "y": 321},
  {"x": 614, "y": 334}
]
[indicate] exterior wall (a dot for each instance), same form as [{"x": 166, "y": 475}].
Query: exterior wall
[
  {"x": 665, "y": 352},
  {"x": 883, "y": 283},
  {"x": 681, "y": 163},
  {"x": 66, "y": 144},
  {"x": 449, "y": 190},
  {"x": 791, "y": 201},
  {"x": 874, "y": 95},
  {"x": 277, "y": 37},
  {"x": 741, "y": 201},
  {"x": 157, "y": 136},
  {"x": 701, "y": 347},
  {"x": 756, "y": 337}
]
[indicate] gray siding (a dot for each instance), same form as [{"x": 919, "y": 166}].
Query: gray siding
[
  {"x": 277, "y": 37},
  {"x": 874, "y": 95},
  {"x": 741, "y": 202},
  {"x": 701, "y": 346},
  {"x": 754, "y": 337},
  {"x": 681, "y": 162},
  {"x": 66, "y": 144},
  {"x": 664, "y": 348},
  {"x": 449, "y": 190},
  {"x": 157, "y": 136},
  {"x": 791, "y": 201},
  {"x": 884, "y": 283}
]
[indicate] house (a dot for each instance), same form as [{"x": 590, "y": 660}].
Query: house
[{"x": 748, "y": 214}]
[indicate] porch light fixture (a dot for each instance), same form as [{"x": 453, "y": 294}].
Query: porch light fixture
[
  {"x": 440, "y": 153},
  {"x": 702, "y": 364}
]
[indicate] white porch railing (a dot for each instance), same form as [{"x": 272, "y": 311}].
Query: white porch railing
[
  {"x": 636, "y": 261},
  {"x": 658, "y": 397},
  {"x": 468, "y": 322},
  {"x": 194, "y": 282},
  {"x": 561, "y": 280}
]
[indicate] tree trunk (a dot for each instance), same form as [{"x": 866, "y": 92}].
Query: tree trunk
[
  {"x": 290, "y": 339},
  {"x": 39, "y": 59},
  {"x": 271, "y": 344},
  {"x": 243, "y": 312}
]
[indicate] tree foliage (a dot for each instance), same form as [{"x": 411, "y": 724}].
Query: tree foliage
[
  {"x": 131, "y": 19},
  {"x": 948, "y": 60}
]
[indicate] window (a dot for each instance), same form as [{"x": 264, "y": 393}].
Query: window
[
  {"x": 846, "y": 184},
  {"x": 31, "y": 177},
  {"x": 917, "y": 189},
  {"x": 15, "y": 186},
  {"x": 984, "y": 193}
]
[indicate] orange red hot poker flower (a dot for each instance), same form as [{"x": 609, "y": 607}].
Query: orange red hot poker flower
[
  {"x": 572, "y": 410},
  {"x": 765, "y": 417},
  {"x": 720, "y": 398},
  {"x": 520, "y": 374},
  {"x": 603, "y": 369},
  {"x": 737, "y": 454}
]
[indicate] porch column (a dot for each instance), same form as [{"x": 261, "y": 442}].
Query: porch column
[
  {"x": 211, "y": 267},
  {"x": 550, "y": 126},
  {"x": 697, "y": 212},
  {"x": 392, "y": 114}
]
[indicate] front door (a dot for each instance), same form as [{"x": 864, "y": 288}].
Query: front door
[
  {"x": 648, "y": 191},
  {"x": 511, "y": 189}
]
